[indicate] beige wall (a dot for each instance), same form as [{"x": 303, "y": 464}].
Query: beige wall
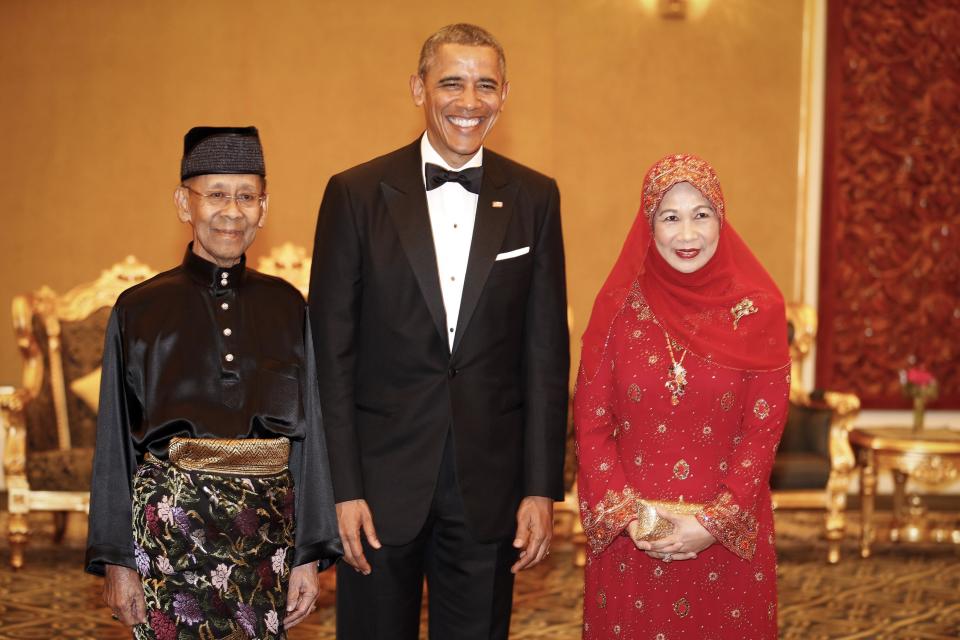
[{"x": 97, "y": 95}]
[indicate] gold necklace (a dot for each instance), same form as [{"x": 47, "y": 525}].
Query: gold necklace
[{"x": 677, "y": 376}]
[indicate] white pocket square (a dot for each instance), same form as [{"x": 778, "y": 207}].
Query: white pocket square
[{"x": 513, "y": 254}]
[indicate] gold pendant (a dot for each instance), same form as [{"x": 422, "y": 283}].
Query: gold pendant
[{"x": 676, "y": 382}]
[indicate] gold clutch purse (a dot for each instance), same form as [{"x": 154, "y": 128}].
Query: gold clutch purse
[{"x": 652, "y": 525}]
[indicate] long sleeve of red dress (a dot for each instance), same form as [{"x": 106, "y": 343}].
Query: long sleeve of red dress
[
  {"x": 607, "y": 501},
  {"x": 732, "y": 516}
]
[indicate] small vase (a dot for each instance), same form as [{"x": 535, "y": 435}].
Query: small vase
[{"x": 918, "y": 409}]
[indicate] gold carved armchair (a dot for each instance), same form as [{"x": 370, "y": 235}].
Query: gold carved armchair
[
  {"x": 814, "y": 462},
  {"x": 290, "y": 262},
  {"x": 51, "y": 419}
]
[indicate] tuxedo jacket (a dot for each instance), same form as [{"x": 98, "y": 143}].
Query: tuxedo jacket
[{"x": 391, "y": 387}]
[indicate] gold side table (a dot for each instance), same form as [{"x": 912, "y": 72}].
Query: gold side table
[{"x": 930, "y": 457}]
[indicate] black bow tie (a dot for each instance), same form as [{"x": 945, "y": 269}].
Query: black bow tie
[{"x": 469, "y": 179}]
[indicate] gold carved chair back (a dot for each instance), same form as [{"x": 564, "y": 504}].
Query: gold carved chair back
[
  {"x": 61, "y": 340},
  {"x": 290, "y": 262}
]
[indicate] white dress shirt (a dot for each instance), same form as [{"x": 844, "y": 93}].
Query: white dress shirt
[{"x": 453, "y": 211}]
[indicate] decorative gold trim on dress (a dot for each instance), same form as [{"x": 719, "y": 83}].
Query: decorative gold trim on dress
[
  {"x": 247, "y": 456},
  {"x": 733, "y": 528},
  {"x": 741, "y": 310},
  {"x": 608, "y": 517}
]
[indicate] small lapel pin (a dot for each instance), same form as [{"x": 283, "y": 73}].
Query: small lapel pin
[{"x": 497, "y": 204}]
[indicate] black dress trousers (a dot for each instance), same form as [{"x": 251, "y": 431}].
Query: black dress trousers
[{"x": 470, "y": 586}]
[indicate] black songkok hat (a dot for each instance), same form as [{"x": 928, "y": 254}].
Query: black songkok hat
[{"x": 221, "y": 150}]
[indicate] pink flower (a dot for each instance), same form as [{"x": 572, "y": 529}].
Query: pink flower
[{"x": 920, "y": 377}]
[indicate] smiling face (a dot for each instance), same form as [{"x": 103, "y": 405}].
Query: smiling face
[
  {"x": 462, "y": 92},
  {"x": 222, "y": 232},
  {"x": 686, "y": 228}
]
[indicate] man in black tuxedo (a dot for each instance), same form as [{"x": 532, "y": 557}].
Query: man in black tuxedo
[{"x": 438, "y": 303}]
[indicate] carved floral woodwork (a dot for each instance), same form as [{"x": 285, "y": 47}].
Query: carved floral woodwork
[{"x": 890, "y": 245}]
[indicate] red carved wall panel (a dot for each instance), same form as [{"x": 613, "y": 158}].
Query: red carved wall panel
[{"x": 890, "y": 243}]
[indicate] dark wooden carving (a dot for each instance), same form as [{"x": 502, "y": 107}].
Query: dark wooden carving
[{"x": 890, "y": 243}]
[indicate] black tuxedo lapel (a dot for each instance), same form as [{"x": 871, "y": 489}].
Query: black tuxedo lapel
[
  {"x": 489, "y": 229},
  {"x": 407, "y": 202}
]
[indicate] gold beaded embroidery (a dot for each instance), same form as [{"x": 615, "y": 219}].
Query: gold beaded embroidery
[
  {"x": 634, "y": 392},
  {"x": 761, "y": 409},
  {"x": 735, "y": 530},
  {"x": 682, "y": 607},
  {"x": 681, "y": 470},
  {"x": 608, "y": 518},
  {"x": 726, "y": 400}
]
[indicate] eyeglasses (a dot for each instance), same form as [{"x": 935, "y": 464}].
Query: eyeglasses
[{"x": 218, "y": 200}]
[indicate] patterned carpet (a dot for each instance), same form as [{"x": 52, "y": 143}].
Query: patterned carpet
[{"x": 904, "y": 591}]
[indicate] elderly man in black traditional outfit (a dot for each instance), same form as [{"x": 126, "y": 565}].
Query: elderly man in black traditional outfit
[{"x": 211, "y": 508}]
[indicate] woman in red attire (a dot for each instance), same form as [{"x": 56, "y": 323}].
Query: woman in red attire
[{"x": 681, "y": 399}]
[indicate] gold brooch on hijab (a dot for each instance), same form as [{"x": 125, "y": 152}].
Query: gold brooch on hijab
[{"x": 741, "y": 310}]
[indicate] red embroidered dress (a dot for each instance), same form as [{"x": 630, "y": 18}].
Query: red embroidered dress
[{"x": 712, "y": 445}]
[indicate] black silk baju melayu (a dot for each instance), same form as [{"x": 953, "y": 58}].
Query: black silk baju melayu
[{"x": 205, "y": 352}]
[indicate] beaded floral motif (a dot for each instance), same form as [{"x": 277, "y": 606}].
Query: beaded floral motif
[
  {"x": 726, "y": 400},
  {"x": 634, "y": 393},
  {"x": 681, "y": 470},
  {"x": 682, "y": 607},
  {"x": 761, "y": 409}
]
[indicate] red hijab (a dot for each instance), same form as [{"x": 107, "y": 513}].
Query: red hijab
[{"x": 729, "y": 311}]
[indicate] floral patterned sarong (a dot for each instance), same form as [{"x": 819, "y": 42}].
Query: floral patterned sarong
[{"x": 213, "y": 551}]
